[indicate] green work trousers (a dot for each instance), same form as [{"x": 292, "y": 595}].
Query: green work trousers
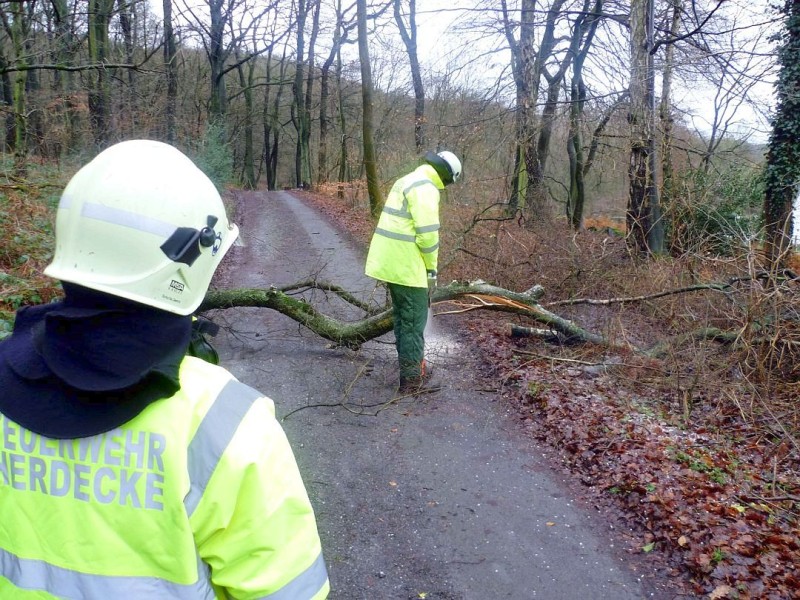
[{"x": 410, "y": 312}]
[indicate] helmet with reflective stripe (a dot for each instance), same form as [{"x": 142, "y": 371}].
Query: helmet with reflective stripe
[
  {"x": 446, "y": 164},
  {"x": 452, "y": 162},
  {"x": 142, "y": 222}
]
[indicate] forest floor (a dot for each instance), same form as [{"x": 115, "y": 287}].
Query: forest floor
[{"x": 696, "y": 451}]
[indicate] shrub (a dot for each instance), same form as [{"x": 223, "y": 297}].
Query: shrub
[
  {"x": 214, "y": 155},
  {"x": 717, "y": 212}
]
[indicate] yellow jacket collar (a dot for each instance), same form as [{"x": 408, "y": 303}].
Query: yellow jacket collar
[{"x": 430, "y": 173}]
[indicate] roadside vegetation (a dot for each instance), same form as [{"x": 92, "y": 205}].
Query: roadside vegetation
[
  {"x": 695, "y": 447},
  {"x": 26, "y": 242}
]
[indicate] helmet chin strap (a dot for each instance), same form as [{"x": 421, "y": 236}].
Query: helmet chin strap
[{"x": 441, "y": 166}]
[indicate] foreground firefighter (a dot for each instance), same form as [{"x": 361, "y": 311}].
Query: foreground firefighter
[
  {"x": 404, "y": 253},
  {"x": 128, "y": 469}
]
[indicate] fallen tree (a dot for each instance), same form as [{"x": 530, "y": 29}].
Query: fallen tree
[
  {"x": 460, "y": 297},
  {"x": 473, "y": 295},
  {"x": 463, "y": 296}
]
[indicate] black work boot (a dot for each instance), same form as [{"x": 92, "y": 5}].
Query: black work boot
[{"x": 411, "y": 386}]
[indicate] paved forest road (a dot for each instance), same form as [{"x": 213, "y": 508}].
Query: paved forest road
[{"x": 437, "y": 497}]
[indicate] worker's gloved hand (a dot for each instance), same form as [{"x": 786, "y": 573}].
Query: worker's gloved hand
[{"x": 431, "y": 278}]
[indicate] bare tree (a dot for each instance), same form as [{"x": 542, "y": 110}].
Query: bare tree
[
  {"x": 409, "y": 37},
  {"x": 221, "y": 33},
  {"x": 301, "y": 111},
  {"x": 170, "y": 73},
  {"x": 529, "y": 63},
  {"x": 370, "y": 160},
  {"x": 343, "y": 26},
  {"x": 583, "y": 33},
  {"x": 271, "y": 118},
  {"x": 100, "y": 12},
  {"x": 308, "y": 99},
  {"x": 645, "y": 226},
  {"x": 246, "y": 73},
  {"x": 665, "y": 107}
]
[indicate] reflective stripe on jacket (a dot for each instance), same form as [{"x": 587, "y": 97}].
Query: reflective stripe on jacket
[
  {"x": 406, "y": 241},
  {"x": 199, "y": 496}
]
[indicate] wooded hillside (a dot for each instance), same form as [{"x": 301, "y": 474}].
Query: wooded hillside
[
  {"x": 611, "y": 155},
  {"x": 551, "y": 107}
]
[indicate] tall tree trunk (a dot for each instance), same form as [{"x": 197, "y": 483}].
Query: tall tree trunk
[
  {"x": 297, "y": 92},
  {"x": 19, "y": 33},
  {"x": 127, "y": 21},
  {"x": 272, "y": 129},
  {"x": 248, "y": 176},
  {"x": 577, "y": 191},
  {"x": 306, "y": 111},
  {"x": 99, "y": 94},
  {"x": 325, "y": 104},
  {"x": 63, "y": 85},
  {"x": 216, "y": 58},
  {"x": 36, "y": 138},
  {"x": 546, "y": 123},
  {"x": 409, "y": 36},
  {"x": 521, "y": 60},
  {"x": 343, "y": 157},
  {"x": 783, "y": 156},
  {"x": 324, "y": 117},
  {"x": 645, "y": 226},
  {"x": 7, "y": 100},
  {"x": 370, "y": 161},
  {"x": 171, "y": 74},
  {"x": 581, "y": 42},
  {"x": 266, "y": 122},
  {"x": 665, "y": 109},
  {"x": 529, "y": 65}
]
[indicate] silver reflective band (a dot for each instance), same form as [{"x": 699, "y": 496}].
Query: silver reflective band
[
  {"x": 305, "y": 585},
  {"x": 427, "y": 228},
  {"x": 37, "y": 575},
  {"x": 395, "y": 236},
  {"x": 417, "y": 184},
  {"x": 213, "y": 436},
  {"x": 125, "y": 218},
  {"x": 401, "y": 212},
  {"x": 429, "y": 249},
  {"x": 65, "y": 202}
]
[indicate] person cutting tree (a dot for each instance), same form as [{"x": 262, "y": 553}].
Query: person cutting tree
[{"x": 404, "y": 253}]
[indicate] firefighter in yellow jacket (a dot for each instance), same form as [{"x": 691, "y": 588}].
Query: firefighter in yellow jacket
[
  {"x": 128, "y": 469},
  {"x": 404, "y": 253}
]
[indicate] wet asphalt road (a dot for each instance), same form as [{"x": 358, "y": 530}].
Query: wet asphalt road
[{"x": 438, "y": 497}]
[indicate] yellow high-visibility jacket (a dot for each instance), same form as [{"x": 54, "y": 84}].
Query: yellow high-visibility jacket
[
  {"x": 199, "y": 496},
  {"x": 406, "y": 241}
]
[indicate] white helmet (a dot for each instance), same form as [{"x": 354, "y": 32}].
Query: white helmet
[
  {"x": 142, "y": 222},
  {"x": 446, "y": 164},
  {"x": 452, "y": 162}
]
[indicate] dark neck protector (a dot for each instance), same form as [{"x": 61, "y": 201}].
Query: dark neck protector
[{"x": 89, "y": 363}]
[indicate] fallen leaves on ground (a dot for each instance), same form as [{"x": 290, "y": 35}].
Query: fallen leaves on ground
[{"x": 710, "y": 504}]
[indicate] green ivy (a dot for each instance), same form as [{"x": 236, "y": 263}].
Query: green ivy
[
  {"x": 783, "y": 157},
  {"x": 719, "y": 212},
  {"x": 214, "y": 155}
]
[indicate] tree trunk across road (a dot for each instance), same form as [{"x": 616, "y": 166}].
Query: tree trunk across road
[{"x": 435, "y": 497}]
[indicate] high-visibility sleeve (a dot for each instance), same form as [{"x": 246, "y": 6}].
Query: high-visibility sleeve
[
  {"x": 423, "y": 204},
  {"x": 254, "y": 524},
  {"x": 406, "y": 240}
]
